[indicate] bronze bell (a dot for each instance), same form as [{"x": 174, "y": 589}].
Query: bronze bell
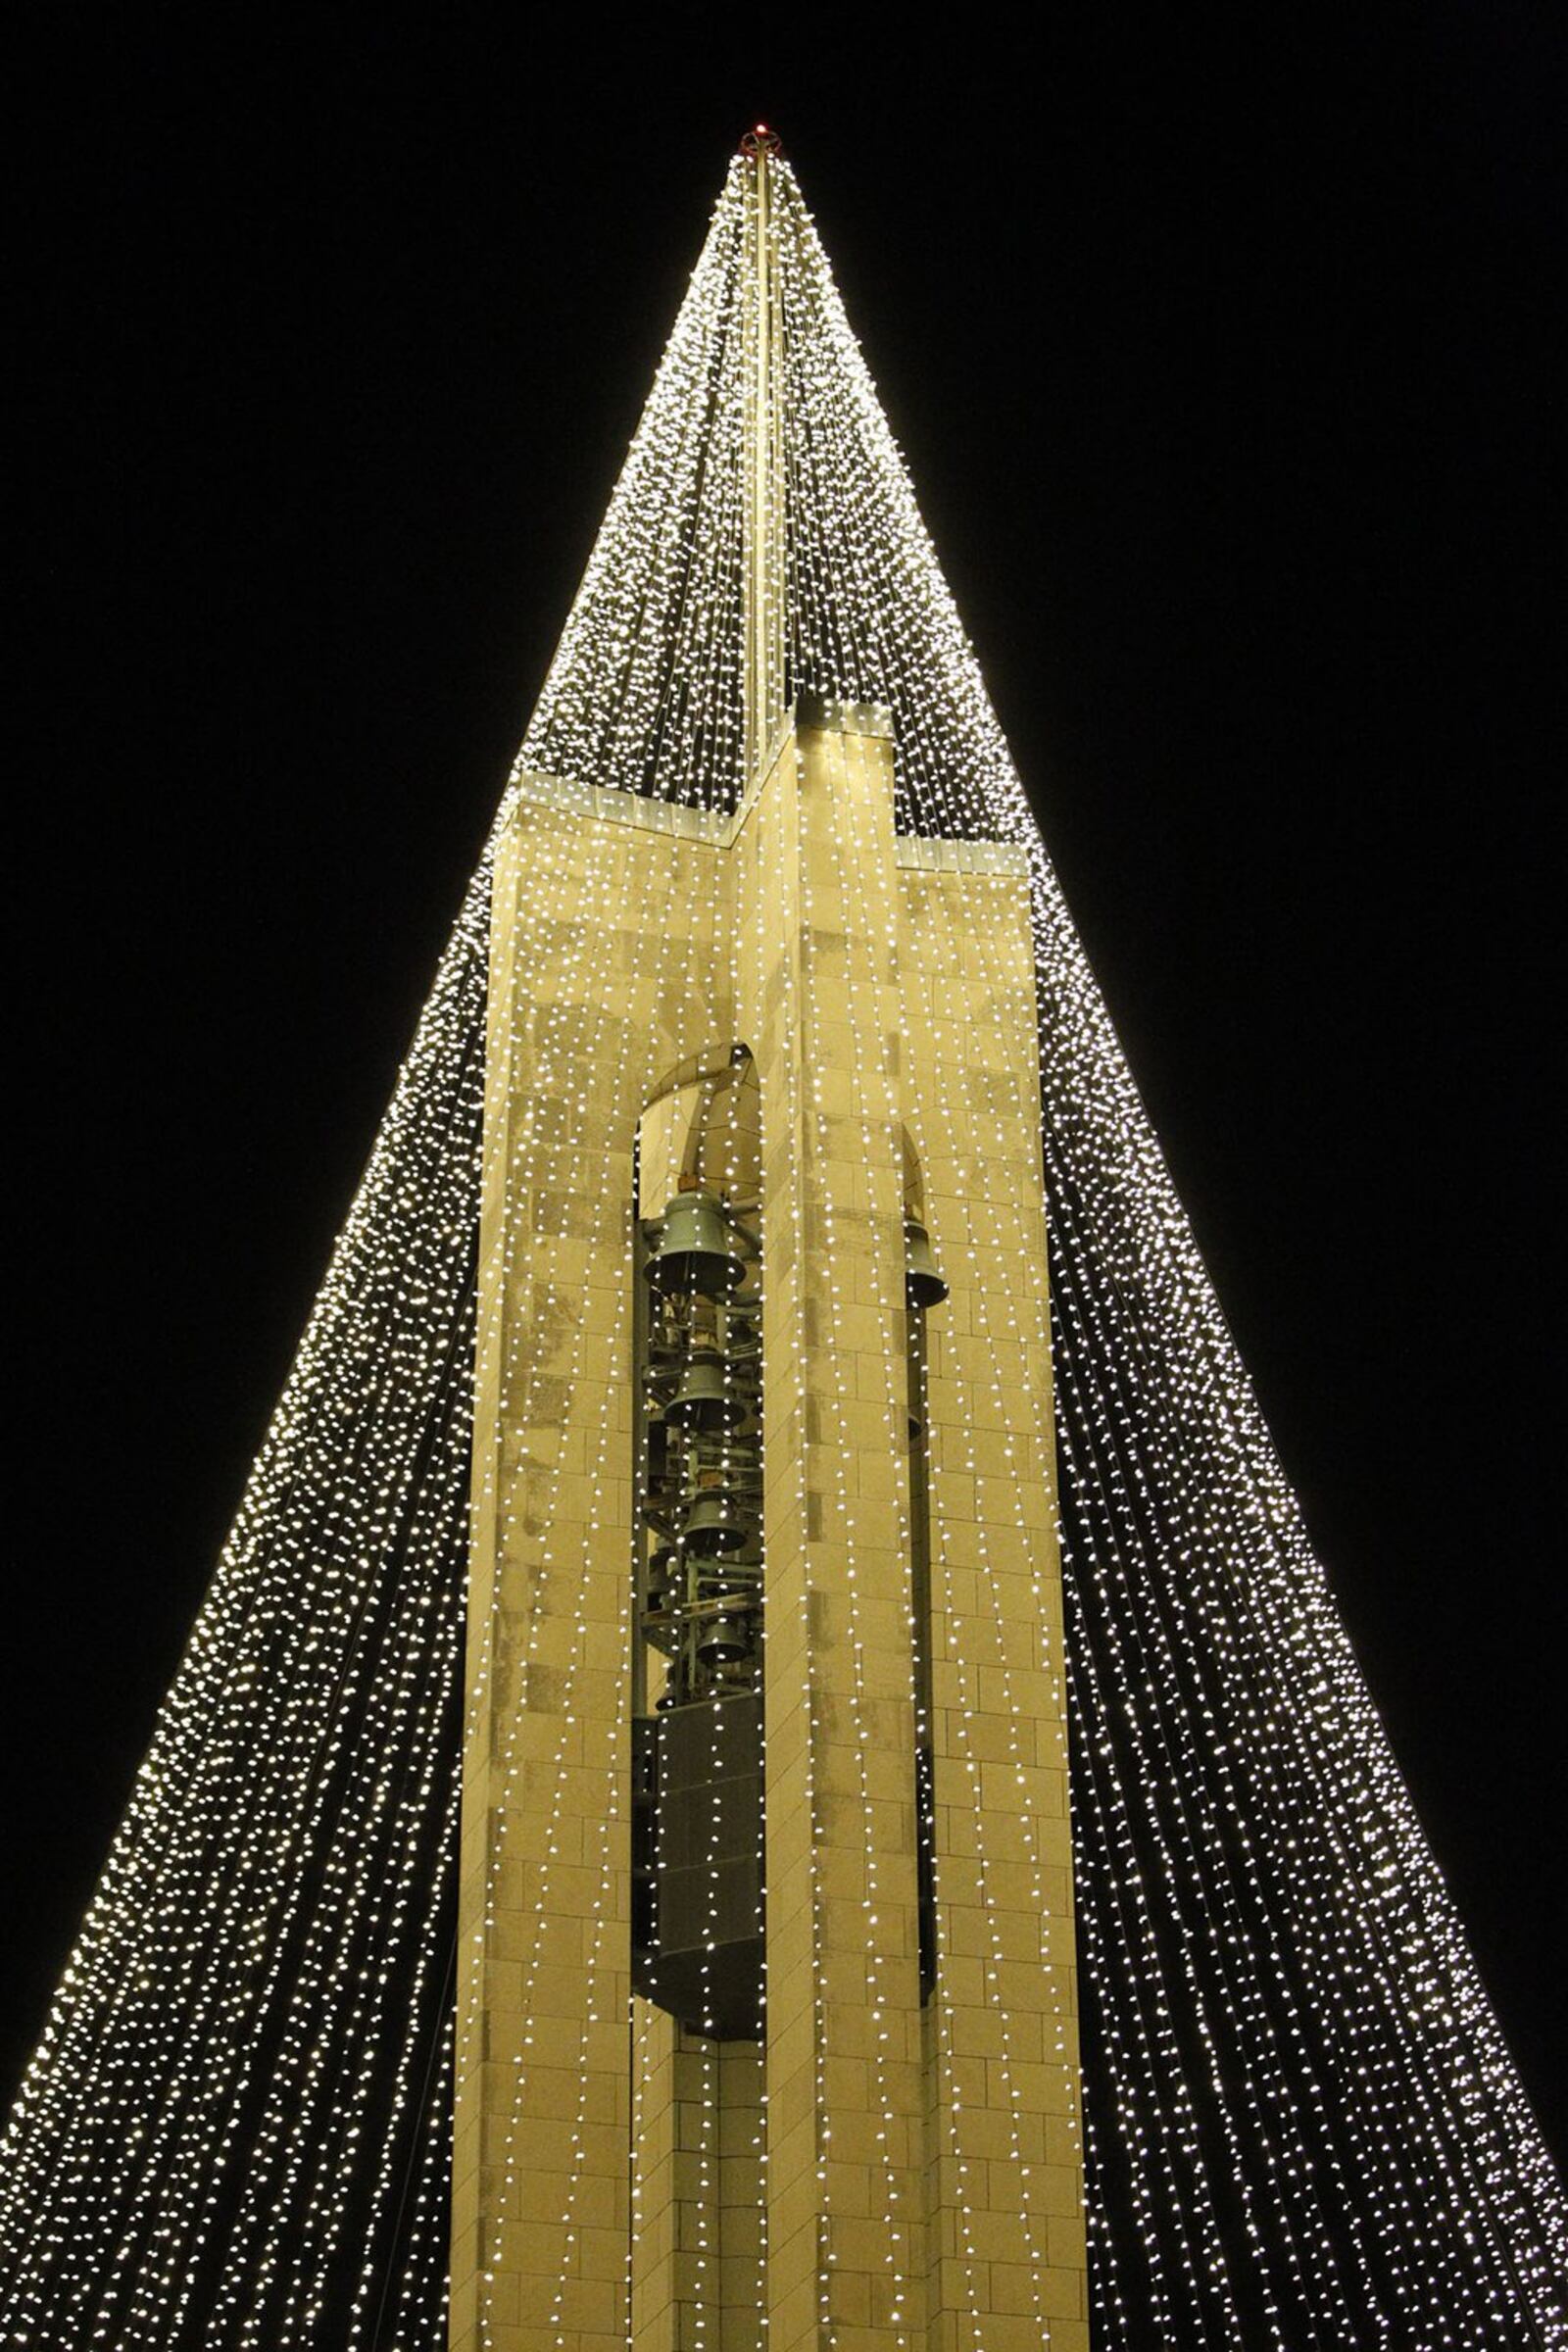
[
  {"x": 714, "y": 1523},
  {"x": 923, "y": 1286},
  {"x": 695, "y": 1249},
  {"x": 701, "y": 1400},
  {"x": 725, "y": 1641}
]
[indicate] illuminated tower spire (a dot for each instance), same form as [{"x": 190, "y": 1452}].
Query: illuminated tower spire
[{"x": 766, "y": 2022}]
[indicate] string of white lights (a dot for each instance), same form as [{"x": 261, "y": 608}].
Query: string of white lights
[
  {"x": 1302, "y": 2124},
  {"x": 336, "y": 1605}
]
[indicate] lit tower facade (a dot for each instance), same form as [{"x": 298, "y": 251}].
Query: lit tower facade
[{"x": 766, "y": 2009}]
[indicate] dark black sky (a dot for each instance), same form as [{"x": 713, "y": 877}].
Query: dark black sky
[{"x": 1220, "y": 360}]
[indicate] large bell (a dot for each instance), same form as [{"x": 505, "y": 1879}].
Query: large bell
[
  {"x": 695, "y": 1249},
  {"x": 701, "y": 1400},
  {"x": 716, "y": 1522},
  {"x": 923, "y": 1286},
  {"x": 725, "y": 1640}
]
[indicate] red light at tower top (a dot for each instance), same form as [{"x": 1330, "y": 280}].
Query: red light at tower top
[{"x": 760, "y": 140}]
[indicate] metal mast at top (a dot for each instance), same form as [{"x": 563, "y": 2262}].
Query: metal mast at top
[{"x": 765, "y": 454}]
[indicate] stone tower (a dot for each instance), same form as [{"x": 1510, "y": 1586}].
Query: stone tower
[{"x": 766, "y": 2014}]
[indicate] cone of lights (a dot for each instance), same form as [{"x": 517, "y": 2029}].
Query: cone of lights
[{"x": 1300, "y": 2121}]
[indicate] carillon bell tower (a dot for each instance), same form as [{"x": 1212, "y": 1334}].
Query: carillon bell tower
[
  {"x": 767, "y": 2015},
  {"x": 686, "y": 1360}
]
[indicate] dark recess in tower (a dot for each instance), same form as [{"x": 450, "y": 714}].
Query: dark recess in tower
[{"x": 697, "y": 1700}]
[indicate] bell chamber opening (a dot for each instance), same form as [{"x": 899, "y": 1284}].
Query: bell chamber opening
[{"x": 697, "y": 1670}]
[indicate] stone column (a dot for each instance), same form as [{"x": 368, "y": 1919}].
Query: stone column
[
  {"x": 846, "y": 2241},
  {"x": 606, "y": 921},
  {"x": 1002, "y": 2031}
]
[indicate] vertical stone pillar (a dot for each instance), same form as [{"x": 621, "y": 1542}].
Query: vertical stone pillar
[
  {"x": 657, "y": 2183},
  {"x": 847, "y": 2248},
  {"x": 698, "y": 2172},
  {"x": 1002, "y": 2031},
  {"x": 604, "y": 930}
]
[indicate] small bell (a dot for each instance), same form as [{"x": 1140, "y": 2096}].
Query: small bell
[
  {"x": 696, "y": 1249},
  {"x": 663, "y": 1578},
  {"x": 702, "y": 1400},
  {"x": 923, "y": 1286}
]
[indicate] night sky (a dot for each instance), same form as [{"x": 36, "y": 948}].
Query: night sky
[{"x": 1220, "y": 362}]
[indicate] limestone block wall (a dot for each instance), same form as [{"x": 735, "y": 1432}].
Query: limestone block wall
[{"x": 603, "y": 932}]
